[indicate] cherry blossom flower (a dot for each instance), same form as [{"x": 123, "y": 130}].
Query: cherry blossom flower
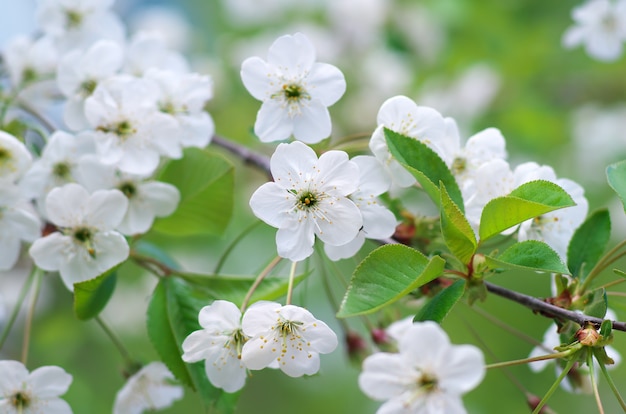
[
  {"x": 17, "y": 223},
  {"x": 130, "y": 131},
  {"x": 402, "y": 115},
  {"x": 295, "y": 90},
  {"x": 287, "y": 335},
  {"x": 29, "y": 60},
  {"x": 151, "y": 388},
  {"x": 148, "y": 50},
  {"x": 79, "y": 73},
  {"x": 86, "y": 244},
  {"x": 600, "y": 27},
  {"x": 308, "y": 197},
  {"x": 219, "y": 343},
  {"x": 378, "y": 221},
  {"x": 35, "y": 392},
  {"x": 427, "y": 375},
  {"x": 14, "y": 158}
]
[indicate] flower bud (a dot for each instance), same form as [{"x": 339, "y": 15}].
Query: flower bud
[{"x": 588, "y": 335}]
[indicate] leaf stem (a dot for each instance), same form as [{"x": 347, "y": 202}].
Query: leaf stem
[
  {"x": 29, "y": 316},
  {"x": 602, "y": 264},
  {"x": 594, "y": 383},
  {"x": 554, "y": 386},
  {"x": 609, "y": 379},
  {"x": 232, "y": 245},
  {"x": 292, "y": 274},
  {"x": 555, "y": 355},
  {"x": 18, "y": 306},
  {"x": 258, "y": 281},
  {"x": 118, "y": 344}
]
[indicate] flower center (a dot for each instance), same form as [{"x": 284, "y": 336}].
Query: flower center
[
  {"x": 73, "y": 19},
  {"x": 293, "y": 92},
  {"x": 84, "y": 235},
  {"x": 458, "y": 165},
  {"x": 28, "y": 75},
  {"x": 609, "y": 22},
  {"x": 20, "y": 400},
  {"x": 128, "y": 188},
  {"x": 427, "y": 382},
  {"x": 288, "y": 327},
  {"x": 122, "y": 129},
  {"x": 87, "y": 87},
  {"x": 61, "y": 170},
  {"x": 5, "y": 155},
  {"x": 306, "y": 200}
]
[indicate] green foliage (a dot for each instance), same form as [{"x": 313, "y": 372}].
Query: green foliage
[
  {"x": 530, "y": 255},
  {"x": 425, "y": 165},
  {"x": 529, "y": 200},
  {"x": 616, "y": 175},
  {"x": 595, "y": 303},
  {"x": 386, "y": 275},
  {"x": 172, "y": 316},
  {"x": 588, "y": 243},
  {"x": 91, "y": 296},
  {"x": 206, "y": 183},
  {"x": 442, "y": 303},
  {"x": 456, "y": 230}
]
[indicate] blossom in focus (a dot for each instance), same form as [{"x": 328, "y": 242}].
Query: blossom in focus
[
  {"x": 295, "y": 90},
  {"x": 378, "y": 221},
  {"x": 427, "y": 375},
  {"x": 86, "y": 244},
  {"x": 34, "y": 392},
  {"x": 289, "y": 336},
  {"x": 153, "y": 387},
  {"x": 402, "y": 115},
  {"x": 308, "y": 197},
  {"x": 600, "y": 27},
  {"x": 219, "y": 343}
]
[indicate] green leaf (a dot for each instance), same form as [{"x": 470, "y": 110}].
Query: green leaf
[
  {"x": 596, "y": 303},
  {"x": 616, "y": 176},
  {"x": 91, "y": 296},
  {"x": 206, "y": 184},
  {"x": 425, "y": 165},
  {"x": 620, "y": 273},
  {"x": 527, "y": 201},
  {"x": 456, "y": 230},
  {"x": 172, "y": 316},
  {"x": 386, "y": 275},
  {"x": 235, "y": 288},
  {"x": 588, "y": 243},
  {"x": 440, "y": 305},
  {"x": 529, "y": 254}
]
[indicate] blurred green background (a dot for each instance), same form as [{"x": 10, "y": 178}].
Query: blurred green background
[{"x": 488, "y": 63}]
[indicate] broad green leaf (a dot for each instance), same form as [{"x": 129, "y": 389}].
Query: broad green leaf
[
  {"x": 588, "y": 243},
  {"x": 386, "y": 275},
  {"x": 529, "y": 254},
  {"x": 616, "y": 175},
  {"x": 456, "y": 230},
  {"x": 206, "y": 184},
  {"x": 235, "y": 288},
  {"x": 440, "y": 305},
  {"x": 91, "y": 296},
  {"x": 172, "y": 316},
  {"x": 596, "y": 303},
  {"x": 527, "y": 201},
  {"x": 425, "y": 165}
]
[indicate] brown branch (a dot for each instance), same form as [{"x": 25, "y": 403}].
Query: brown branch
[{"x": 248, "y": 156}]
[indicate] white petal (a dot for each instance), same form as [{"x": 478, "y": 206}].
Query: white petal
[
  {"x": 106, "y": 209},
  {"x": 378, "y": 221},
  {"x": 345, "y": 251},
  {"x": 257, "y": 353},
  {"x": 221, "y": 315},
  {"x": 273, "y": 122},
  {"x": 464, "y": 369},
  {"x": 337, "y": 175},
  {"x": 385, "y": 376},
  {"x": 290, "y": 162},
  {"x": 50, "y": 381},
  {"x": 254, "y": 74},
  {"x": 312, "y": 124},
  {"x": 272, "y": 204},
  {"x": 196, "y": 346},
  {"x": 259, "y": 317},
  {"x": 326, "y": 83},
  {"x": 14, "y": 373},
  {"x": 67, "y": 205},
  {"x": 294, "y": 241},
  {"x": 292, "y": 54},
  {"x": 49, "y": 252},
  {"x": 111, "y": 249},
  {"x": 341, "y": 223}
]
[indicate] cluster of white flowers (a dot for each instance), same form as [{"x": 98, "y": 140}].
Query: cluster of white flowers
[{"x": 287, "y": 337}]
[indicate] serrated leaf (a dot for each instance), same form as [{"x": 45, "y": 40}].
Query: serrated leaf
[
  {"x": 616, "y": 176},
  {"x": 588, "y": 243},
  {"x": 235, "y": 288},
  {"x": 530, "y": 254},
  {"x": 172, "y": 316},
  {"x": 386, "y": 275},
  {"x": 595, "y": 303},
  {"x": 206, "y": 184},
  {"x": 440, "y": 305},
  {"x": 456, "y": 230},
  {"x": 425, "y": 165},
  {"x": 527, "y": 201},
  {"x": 92, "y": 296}
]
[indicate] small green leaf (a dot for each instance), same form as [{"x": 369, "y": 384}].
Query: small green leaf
[
  {"x": 91, "y": 296},
  {"x": 588, "y": 243},
  {"x": 456, "y": 230},
  {"x": 172, "y": 316},
  {"x": 606, "y": 328},
  {"x": 440, "y": 305},
  {"x": 616, "y": 175},
  {"x": 620, "y": 273},
  {"x": 527, "y": 201},
  {"x": 425, "y": 165},
  {"x": 596, "y": 303},
  {"x": 529, "y": 254},
  {"x": 386, "y": 275},
  {"x": 206, "y": 184}
]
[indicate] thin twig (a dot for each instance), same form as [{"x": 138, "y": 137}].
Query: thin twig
[{"x": 248, "y": 156}]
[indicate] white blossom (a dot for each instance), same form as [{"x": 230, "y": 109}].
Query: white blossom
[
  {"x": 34, "y": 392},
  {"x": 18, "y": 223},
  {"x": 86, "y": 244},
  {"x": 15, "y": 159},
  {"x": 219, "y": 343},
  {"x": 308, "y": 197},
  {"x": 600, "y": 27},
  {"x": 402, "y": 115},
  {"x": 30, "y": 60},
  {"x": 153, "y": 387},
  {"x": 427, "y": 375},
  {"x": 378, "y": 221},
  {"x": 148, "y": 50},
  {"x": 295, "y": 90},
  {"x": 287, "y": 335}
]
